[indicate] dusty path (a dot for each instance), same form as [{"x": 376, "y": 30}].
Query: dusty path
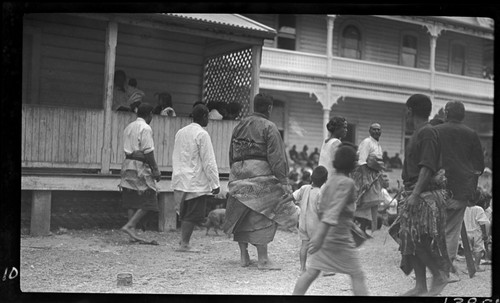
[{"x": 88, "y": 261}]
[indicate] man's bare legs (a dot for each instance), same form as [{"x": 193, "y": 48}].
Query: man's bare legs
[
  {"x": 263, "y": 259},
  {"x": 129, "y": 228},
  {"x": 420, "y": 276},
  {"x": 186, "y": 232},
  {"x": 244, "y": 257}
]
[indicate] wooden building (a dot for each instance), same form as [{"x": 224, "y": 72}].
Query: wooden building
[
  {"x": 364, "y": 68},
  {"x": 72, "y": 140}
]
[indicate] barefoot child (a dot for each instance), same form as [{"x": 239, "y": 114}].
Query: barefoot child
[
  {"x": 332, "y": 247},
  {"x": 308, "y": 198}
]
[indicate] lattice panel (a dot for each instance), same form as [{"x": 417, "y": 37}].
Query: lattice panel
[{"x": 228, "y": 78}]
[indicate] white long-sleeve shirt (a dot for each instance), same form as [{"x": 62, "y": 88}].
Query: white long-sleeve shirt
[
  {"x": 368, "y": 146},
  {"x": 194, "y": 169}
]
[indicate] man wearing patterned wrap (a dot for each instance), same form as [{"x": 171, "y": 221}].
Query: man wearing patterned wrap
[
  {"x": 258, "y": 184},
  {"x": 422, "y": 217},
  {"x": 367, "y": 176}
]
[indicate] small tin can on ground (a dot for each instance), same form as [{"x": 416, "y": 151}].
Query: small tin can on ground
[{"x": 124, "y": 279}]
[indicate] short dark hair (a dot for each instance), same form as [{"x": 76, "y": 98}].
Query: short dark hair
[
  {"x": 319, "y": 176},
  {"x": 345, "y": 157},
  {"x": 199, "y": 111},
  {"x": 335, "y": 123},
  {"x": 261, "y": 102},
  {"x": 421, "y": 105},
  {"x": 144, "y": 110},
  {"x": 455, "y": 110},
  {"x": 132, "y": 82},
  {"x": 198, "y": 103}
]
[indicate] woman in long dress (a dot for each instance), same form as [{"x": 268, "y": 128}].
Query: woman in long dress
[{"x": 332, "y": 247}]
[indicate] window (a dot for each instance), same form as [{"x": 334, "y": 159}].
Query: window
[
  {"x": 286, "y": 32},
  {"x": 351, "y": 42},
  {"x": 409, "y": 51},
  {"x": 457, "y": 59}
]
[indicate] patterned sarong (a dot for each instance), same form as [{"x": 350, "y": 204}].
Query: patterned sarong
[
  {"x": 423, "y": 228},
  {"x": 261, "y": 194},
  {"x": 136, "y": 175},
  {"x": 363, "y": 176}
]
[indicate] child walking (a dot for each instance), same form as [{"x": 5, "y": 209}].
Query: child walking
[
  {"x": 307, "y": 197},
  {"x": 332, "y": 247}
]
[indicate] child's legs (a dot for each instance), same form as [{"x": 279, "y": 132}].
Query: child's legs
[
  {"x": 358, "y": 284},
  {"x": 305, "y": 281},
  {"x": 303, "y": 255}
]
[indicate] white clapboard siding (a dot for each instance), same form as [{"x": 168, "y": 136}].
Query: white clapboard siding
[
  {"x": 362, "y": 113},
  {"x": 71, "y": 60},
  {"x": 473, "y": 52},
  {"x": 305, "y": 121},
  {"x": 311, "y": 34},
  {"x": 162, "y": 61},
  {"x": 61, "y": 137}
]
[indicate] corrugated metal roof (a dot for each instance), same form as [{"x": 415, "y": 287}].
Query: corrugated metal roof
[{"x": 234, "y": 20}]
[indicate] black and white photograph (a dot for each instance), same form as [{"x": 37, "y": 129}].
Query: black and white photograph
[{"x": 337, "y": 153}]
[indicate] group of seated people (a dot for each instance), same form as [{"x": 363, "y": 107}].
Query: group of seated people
[
  {"x": 127, "y": 97},
  {"x": 392, "y": 162},
  {"x": 303, "y": 158}
]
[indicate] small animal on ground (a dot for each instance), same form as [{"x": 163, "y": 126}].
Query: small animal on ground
[{"x": 215, "y": 219}]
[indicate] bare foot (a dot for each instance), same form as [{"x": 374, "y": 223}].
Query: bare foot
[
  {"x": 267, "y": 265},
  {"x": 245, "y": 259},
  {"x": 129, "y": 231},
  {"x": 438, "y": 284},
  {"x": 417, "y": 291}
]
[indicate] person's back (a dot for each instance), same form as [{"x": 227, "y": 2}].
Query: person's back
[
  {"x": 462, "y": 158},
  {"x": 257, "y": 138}
]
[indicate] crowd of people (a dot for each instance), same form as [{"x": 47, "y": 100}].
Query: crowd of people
[
  {"x": 127, "y": 97},
  {"x": 440, "y": 173}
]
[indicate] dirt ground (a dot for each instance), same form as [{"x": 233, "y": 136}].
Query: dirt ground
[{"x": 88, "y": 261}]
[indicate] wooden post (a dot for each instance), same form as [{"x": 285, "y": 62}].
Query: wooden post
[
  {"x": 109, "y": 75},
  {"x": 167, "y": 219},
  {"x": 40, "y": 213},
  {"x": 256, "y": 59},
  {"x": 329, "y": 43}
]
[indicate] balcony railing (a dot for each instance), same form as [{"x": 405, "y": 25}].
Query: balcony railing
[{"x": 372, "y": 72}]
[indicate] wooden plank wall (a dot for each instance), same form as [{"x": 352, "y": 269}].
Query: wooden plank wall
[
  {"x": 71, "y": 60},
  {"x": 162, "y": 61},
  {"x": 363, "y": 112},
  {"x": 61, "y": 137},
  {"x": 381, "y": 40},
  {"x": 164, "y": 130}
]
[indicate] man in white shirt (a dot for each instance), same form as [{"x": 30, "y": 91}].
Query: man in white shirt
[
  {"x": 367, "y": 177},
  {"x": 139, "y": 171},
  {"x": 194, "y": 173}
]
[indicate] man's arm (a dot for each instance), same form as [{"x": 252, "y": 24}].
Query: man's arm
[
  {"x": 276, "y": 155},
  {"x": 208, "y": 162},
  {"x": 150, "y": 159}
]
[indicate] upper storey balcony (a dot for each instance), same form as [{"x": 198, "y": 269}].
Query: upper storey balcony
[{"x": 368, "y": 72}]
